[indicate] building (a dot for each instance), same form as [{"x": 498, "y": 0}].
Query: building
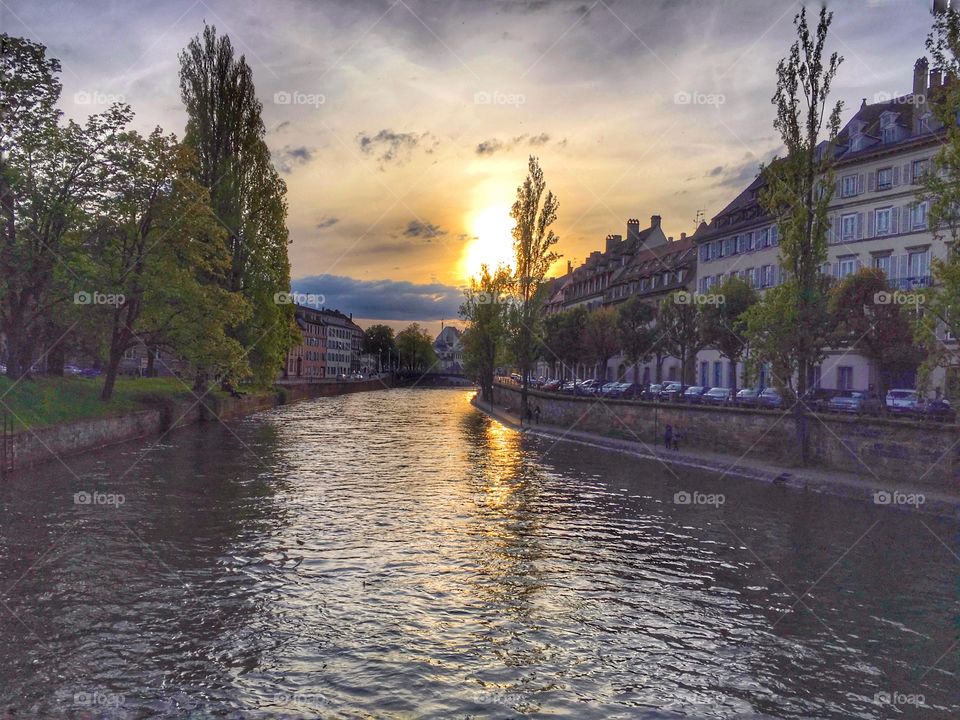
[
  {"x": 449, "y": 350},
  {"x": 330, "y": 345},
  {"x": 876, "y": 220},
  {"x": 645, "y": 264}
]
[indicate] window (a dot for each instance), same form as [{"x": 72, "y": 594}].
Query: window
[
  {"x": 719, "y": 249},
  {"x": 717, "y": 373},
  {"x": 919, "y": 168},
  {"x": 703, "y": 372},
  {"x": 884, "y": 178},
  {"x": 763, "y": 238},
  {"x": 705, "y": 253},
  {"x": 845, "y": 377},
  {"x": 848, "y": 226},
  {"x": 848, "y": 187},
  {"x": 703, "y": 285},
  {"x": 846, "y": 266},
  {"x": 774, "y": 235},
  {"x": 767, "y": 276},
  {"x": 919, "y": 263},
  {"x": 750, "y": 276},
  {"x": 748, "y": 241},
  {"x": 918, "y": 216},
  {"x": 882, "y": 221},
  {"x": 883, "y": 263}
]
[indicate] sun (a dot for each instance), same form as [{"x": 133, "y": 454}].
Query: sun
[{"x": 492, "y": 242}]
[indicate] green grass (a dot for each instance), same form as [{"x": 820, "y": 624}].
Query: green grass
[{"x": 48, "y": 401}]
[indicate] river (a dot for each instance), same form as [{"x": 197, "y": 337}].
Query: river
[{"x": 398, "y": 554}]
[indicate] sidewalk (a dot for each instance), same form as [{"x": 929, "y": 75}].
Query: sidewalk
[{"x": 829, "y": 482}]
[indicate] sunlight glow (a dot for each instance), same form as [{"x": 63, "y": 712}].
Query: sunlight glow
[{"x": 493, "y": 242}]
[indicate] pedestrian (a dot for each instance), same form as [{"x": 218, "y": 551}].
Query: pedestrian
[
  {"x": 536, "y": 415},
  {"x": 529, "y": 414},
  {"x": 676, "y": 442},
  {"x": 668, "y": 437}
]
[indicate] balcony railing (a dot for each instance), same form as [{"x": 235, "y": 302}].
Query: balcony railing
[{"x": 911, "y": 283}]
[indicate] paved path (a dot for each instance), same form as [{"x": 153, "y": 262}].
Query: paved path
[{"x": 811, "y": 479}]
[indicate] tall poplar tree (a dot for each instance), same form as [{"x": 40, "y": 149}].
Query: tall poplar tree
[{"x": 226, "y": 131}]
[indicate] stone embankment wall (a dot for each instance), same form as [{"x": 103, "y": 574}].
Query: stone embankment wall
[
  {"x": 39, "y": 445},
  {"x": 906, "y": 450}
]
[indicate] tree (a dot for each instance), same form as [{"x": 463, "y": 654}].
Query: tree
[
  {"x": 941, "y": 187},
  {"x": 155, "y": 244},
  {"x": 770, "y": 329},
  {"x": 483, "y": 308},
  {"x": 378, "y": 340},
  {"x": 415, "y": 348},
  {"x": 533, "y": 214},
  {"x": 679, "y": 324},
  {"x": 869, "y": 317},
  {"x": 637, "y": 333},
  {"x": 49, "y": 173},
  {"x": 800, "y": 185},
  {"x": 225, "y": 129},
  {"x": 723, "y": 322},
  {"x": 601, "y": 338}
]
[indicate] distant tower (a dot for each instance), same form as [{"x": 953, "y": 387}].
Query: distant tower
[{"x": 698, "y": 219}]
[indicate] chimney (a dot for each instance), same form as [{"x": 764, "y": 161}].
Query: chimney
[
  {"x": 920, "y": 68},
  {"x": 669, "y": 238},
  {"x": 569, "y": 267},
  {"x": 683, "y": 236},
  {"x": 655, "y": 221},
  {"x": 633, "y": 229},
  {"x": 613, "y": 241}
]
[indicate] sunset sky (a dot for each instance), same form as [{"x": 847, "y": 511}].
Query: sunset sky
[{"x": 402, "y": 127}]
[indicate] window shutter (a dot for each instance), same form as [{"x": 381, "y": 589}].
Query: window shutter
[
  {"x": 859, "y": 263},
  {"x": 907, "y": 176},
  {"x": 870, "y": 224},
  {"x": 903, "y": 269},
  {"x": 836, "y": 269},
  {"x": 838, "y": 192},
  {"x": 872, "y": 181},
  {"x": 894, "y": 220},
  {"x": 860, "y": 181},
  {"x": 896, "y": 176},
  {"x": 859, "y": 235}
]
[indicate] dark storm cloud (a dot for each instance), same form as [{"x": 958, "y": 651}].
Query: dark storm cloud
[{"x": 384, "y": 299}]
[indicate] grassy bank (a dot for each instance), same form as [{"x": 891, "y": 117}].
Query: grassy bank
[{"x": 49, "y": 401}]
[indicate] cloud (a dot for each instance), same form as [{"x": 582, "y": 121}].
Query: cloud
[
  {"x": 384, "y": 299},
  {"x": 494, "y": 145},
  {"x": 326, "y": 222},
  {"x": 388, "y": 146},
  {"x": 290, "y": 157},
  {"x": 420, "y": 229}
]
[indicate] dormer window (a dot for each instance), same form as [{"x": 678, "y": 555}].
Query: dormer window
[
  {"x": 888, "y": 127},
  {"x": 925, "y": 122},
  {"x": 856, "y": 135}
]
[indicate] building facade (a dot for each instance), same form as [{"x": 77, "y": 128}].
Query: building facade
[
  {"x": 449, "y": 350},
  {"x": 329, "y": 348},
  {"x": 876, "y": 220}
]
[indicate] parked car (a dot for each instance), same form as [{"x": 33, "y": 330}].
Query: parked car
[
  {"x": 605, "y": 389},
  {"x": 718, "y": 396},
  {"x": 818, "y": 399},
  {"x": 904, "y": 402},
  {"x": 671, "y": 392},
  {"x": 938, "y": 410},
  {"x": 652, "y": 392},
  {"x": 769, "y": 398},
  {"x": 748, "y": 397},
  {"x": 627, "y": 390},
  {"x": 588, "y": 386},
  {"x": 551, "y": 385},
  {"x": 694, "y": 394},
  {"x": 859, "y": 402},
  {"x": 515, "y": 377}
]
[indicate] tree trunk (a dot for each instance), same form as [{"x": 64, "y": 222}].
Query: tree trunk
[
  {"x": 151, "y": 355},
  {"x": 800, "y": 416},
  {"x": 110, "y": 379}
]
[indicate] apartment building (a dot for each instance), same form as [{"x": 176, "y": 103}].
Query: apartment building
[
  {"x": 330, "y": 345},
  {"x": 876, "y": 220}
]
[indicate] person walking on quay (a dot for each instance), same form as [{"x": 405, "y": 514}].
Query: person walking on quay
[
  {"x": 536, "y": 415},
  {"x": 668, "y": 437}
]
